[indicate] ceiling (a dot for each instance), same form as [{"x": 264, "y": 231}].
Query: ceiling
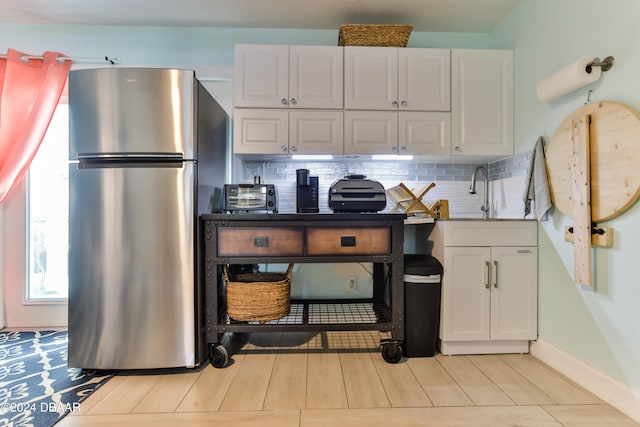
[{"x": 424, "y": 15}]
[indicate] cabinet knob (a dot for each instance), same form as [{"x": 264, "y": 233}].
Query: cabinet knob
[
  {"x": 283, "y": 147},
  {"x": 403, "y": 149},
  {"x": 404, "y": 103},
  {"x": 394, "y": 103},
  {"x": 394, "y": 149},
  {"x": 294, "y": 148},
  {"x": 457, "y": 148},
  {"x": 293, "y": 101},
  {"x": 284, "y": 101}
]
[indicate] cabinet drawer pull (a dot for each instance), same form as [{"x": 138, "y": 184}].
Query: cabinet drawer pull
[
  {"x": 523, "y": 251},
  {"x": 488, "y": 282},
  {"x": 347, "y": 241},
  {"x": 261, "y": 241},
  {"x": 495, "y": 274}
]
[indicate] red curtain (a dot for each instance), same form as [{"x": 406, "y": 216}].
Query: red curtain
[{"x": 29, "y": 93}]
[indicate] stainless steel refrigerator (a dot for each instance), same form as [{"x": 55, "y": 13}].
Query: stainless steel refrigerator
[{"x": 147, "y": 156}]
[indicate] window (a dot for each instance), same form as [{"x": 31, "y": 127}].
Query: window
[{"x": 48, "y": 211}]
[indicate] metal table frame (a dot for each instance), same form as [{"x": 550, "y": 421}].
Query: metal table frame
[{"x": 386, "y": 305}]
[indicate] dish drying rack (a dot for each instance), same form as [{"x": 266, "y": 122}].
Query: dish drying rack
[{"x": 409, "y": 201}]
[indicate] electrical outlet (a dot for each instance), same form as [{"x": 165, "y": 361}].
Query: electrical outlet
[{"x": 352, "y": 284}]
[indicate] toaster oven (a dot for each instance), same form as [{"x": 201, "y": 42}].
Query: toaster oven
[{"x": 250, "y": 197}]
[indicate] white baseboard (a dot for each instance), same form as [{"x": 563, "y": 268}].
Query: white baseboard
[
  {"x": 615, "y": 393},
  {"x": 483, "y": 347}
]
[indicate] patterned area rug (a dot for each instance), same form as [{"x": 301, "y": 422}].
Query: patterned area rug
[{"x": 37, "y": 388}]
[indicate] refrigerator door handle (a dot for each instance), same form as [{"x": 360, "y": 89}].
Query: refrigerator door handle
[{"x": 120, "y": 157}]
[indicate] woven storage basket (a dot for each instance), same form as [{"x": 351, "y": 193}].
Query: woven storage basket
[
  {"x": 258, "y": 296},
  {"x": 374, "y": 35}
]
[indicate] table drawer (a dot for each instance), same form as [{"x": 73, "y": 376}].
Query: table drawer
[
  {"x": 348, "y": 241},
  {"x": 253, "y": 241}
]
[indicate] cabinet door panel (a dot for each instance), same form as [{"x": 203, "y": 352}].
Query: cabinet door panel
[
  {"x": 514, "y": 293},
  {"x": 424, "y": 79},
  {"x": 370, "y": 132},
  {"x": 316, "y": 132},
  {"x": 424, "y": 133},
  {"x": 315, "y": 77},
  {"x": 260, "y": 131},
  {"x": 465, "y": 295},
  {"x": 482, "y": 102},
  {"x": 371, "y": 78},
  {"x": 261, "y": 76}
]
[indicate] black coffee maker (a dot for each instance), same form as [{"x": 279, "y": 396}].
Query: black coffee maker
[{"x": 306, "y": 192}]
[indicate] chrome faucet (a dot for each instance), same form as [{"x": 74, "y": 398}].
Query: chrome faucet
[{"x": 472, "y": 189}]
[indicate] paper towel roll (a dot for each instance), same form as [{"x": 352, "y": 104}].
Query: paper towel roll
[{"x": 572, "y": 77}]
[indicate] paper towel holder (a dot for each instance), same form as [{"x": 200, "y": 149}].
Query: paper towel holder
[
  {"x": 585, "y": 70},
  {"x": 605, "y": 64}
]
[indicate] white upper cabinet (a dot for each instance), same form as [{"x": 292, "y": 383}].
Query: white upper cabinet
[
  {"x": 482, "y": 102},
  {"x": 404, "y": 132},
  {"x": 316, "y": 132},
  {"x": 424, "y": 133},
  {"x": 277, "y": 76},
  {"x": 370, "y": 132},
  {"x": 424, "y": 79},
  {"x": 315, "y": 77},
  {"x": 442, "y": 102},
  {"x": 270, "y": 131},
  {"x": 261, "y": 76},
  {"x": 389, "y": 78},
  {"x": 260, "y": 131},
  {"x": 370, "y": 78}
]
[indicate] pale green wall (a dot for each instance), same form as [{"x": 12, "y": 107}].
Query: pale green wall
[
  {"x": 601, "y": 326},
  {"x": 199, "y": 48}
]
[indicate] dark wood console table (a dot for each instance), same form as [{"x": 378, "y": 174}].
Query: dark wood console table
[{"x": 307, "y": 238}]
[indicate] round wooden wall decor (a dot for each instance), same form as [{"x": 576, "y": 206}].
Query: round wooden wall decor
[{"x": 614, "y": 140}]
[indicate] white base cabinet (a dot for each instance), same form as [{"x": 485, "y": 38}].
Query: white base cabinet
[{"x": 489, "y": 285}]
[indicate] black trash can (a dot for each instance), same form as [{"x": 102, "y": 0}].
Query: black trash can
[{"x": 422, "y": 288}]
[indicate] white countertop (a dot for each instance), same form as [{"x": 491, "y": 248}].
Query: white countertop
[{"x": 419, "y": 220}]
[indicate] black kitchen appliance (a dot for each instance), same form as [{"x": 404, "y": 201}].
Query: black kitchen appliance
[
  {"x": 306, "y": 192},
  {"x": 250, "y": 197},
  {"x": 355, "y": 193}
]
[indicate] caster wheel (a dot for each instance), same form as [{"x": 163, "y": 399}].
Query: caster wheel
[
  {"x": 218, "y": 356},
  {"x": 391, "y": 352}
]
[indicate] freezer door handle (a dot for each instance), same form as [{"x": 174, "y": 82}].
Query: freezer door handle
[{"x": 120, "y": 157}]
